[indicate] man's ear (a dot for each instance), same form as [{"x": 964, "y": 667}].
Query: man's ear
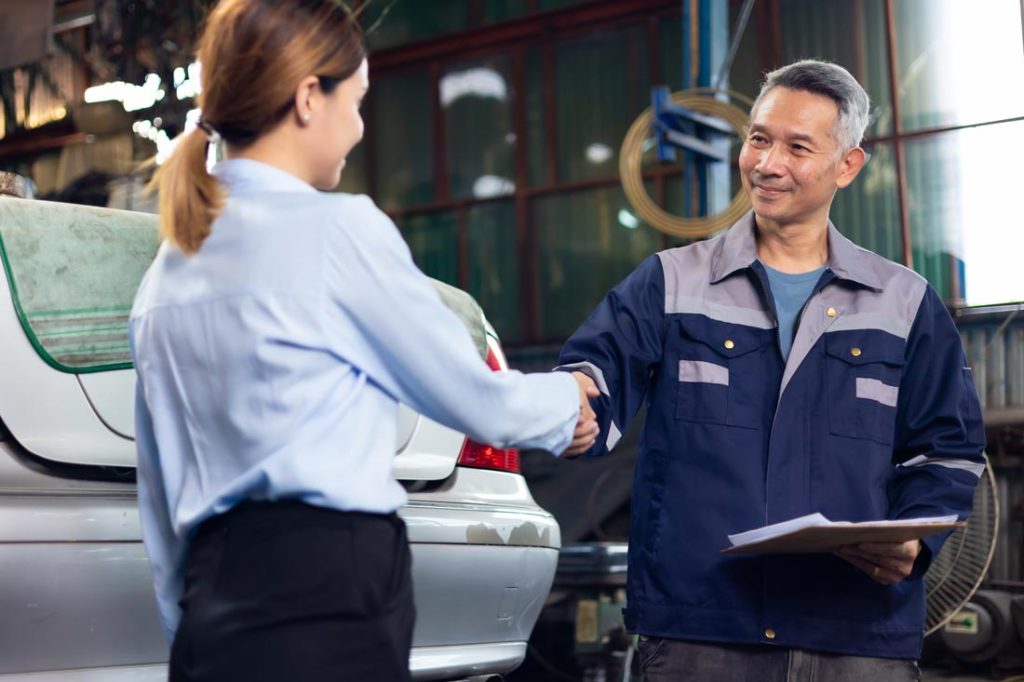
[
  {"x": 306, "y": 99},
  {"x": 850, "y": 165}
]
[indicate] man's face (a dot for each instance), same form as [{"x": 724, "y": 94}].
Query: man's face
[{"x": 790, "y": 161}]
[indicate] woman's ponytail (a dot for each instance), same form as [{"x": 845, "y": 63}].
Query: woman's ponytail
[{"x": 190, "y": 198}]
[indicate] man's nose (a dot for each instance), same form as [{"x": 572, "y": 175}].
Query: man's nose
[{"x": 770, "y": 161}]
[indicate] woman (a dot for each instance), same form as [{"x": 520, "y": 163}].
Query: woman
[{"x": 274, "y": 336}]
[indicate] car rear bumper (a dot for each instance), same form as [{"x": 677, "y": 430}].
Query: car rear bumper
[{"x": 450, "y": 662}]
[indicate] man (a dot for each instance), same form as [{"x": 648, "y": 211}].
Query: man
[{"x": 785, "y": 371}]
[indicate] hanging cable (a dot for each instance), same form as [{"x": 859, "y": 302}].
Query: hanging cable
[{"x": 702, "y": 101}]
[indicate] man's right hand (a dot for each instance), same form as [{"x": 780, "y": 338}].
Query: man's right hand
[{"x": 586, "y": 432}]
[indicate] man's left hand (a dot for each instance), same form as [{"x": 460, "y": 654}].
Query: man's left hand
[{"x": 886, "y": 562}]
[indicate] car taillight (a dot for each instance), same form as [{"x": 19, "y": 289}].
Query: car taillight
[{"x": 482, "y": 456}]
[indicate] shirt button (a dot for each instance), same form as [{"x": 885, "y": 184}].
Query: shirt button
[
  {"x": 769, "y": 633},
  {"x": 729, "y": 344},
  {"x": 855, "y": 352},
  {"x": 831, "y": 312}
]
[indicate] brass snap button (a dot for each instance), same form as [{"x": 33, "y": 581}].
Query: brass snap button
[
  {"x": 831, "y": 312},
  {"x": 769, "y": 633},
  {"x": 855, "y": 352},
  {"x": 729, "y": 344}
]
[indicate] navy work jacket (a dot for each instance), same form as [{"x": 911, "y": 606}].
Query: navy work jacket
[{"x": 873, "y": 416}]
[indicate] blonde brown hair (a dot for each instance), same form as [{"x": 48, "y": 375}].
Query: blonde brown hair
[{"x": 253, "y": 54}]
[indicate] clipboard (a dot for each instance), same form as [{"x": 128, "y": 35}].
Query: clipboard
[{"x": 815, "y": 534}]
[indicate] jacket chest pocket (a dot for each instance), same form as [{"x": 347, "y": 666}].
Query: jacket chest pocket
[
  {"x": 863, "y": 374},
  {"x": 721, "y": 373}
]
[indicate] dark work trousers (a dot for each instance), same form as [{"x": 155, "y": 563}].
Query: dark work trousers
[
  {"x": 287, "y": 591},
  {"x": 670, "y": 660}
]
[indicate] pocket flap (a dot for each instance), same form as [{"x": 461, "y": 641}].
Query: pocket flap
[
  {"x": 727, "y": 339},
  {"x": 864, "y": 347}
]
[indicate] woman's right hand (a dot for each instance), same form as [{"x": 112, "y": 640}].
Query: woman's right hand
[{"x": 587, "y": 430}]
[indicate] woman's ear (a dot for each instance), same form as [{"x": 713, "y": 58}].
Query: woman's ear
[{"x": 306, "y": 99}]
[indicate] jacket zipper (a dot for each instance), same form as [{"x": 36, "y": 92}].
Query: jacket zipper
[{"x": 767, "y": 292}]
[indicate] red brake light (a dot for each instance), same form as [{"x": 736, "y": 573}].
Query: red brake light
[{"x": 481, "y": 456}]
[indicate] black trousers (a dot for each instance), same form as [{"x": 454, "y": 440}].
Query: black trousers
[{"x": 287, "y": 591}]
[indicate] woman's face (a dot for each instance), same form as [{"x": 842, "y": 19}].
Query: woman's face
[{"x": 338, "y": 127}]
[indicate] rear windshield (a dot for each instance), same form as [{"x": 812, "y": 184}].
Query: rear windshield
[{"x": 73, "y": 271}]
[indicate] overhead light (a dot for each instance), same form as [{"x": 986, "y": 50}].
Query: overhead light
[
  {"x": 598, "y": 153},
  {"x": 479, "y": 81},
  {"x": 628, "y": 220},
  {"x": 186, "y": 82},
  {"x": 487, "y": 186},
  {"x": 133, "y": 97}
]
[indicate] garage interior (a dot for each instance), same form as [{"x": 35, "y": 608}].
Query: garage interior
[{"x": 494, "y": 139}]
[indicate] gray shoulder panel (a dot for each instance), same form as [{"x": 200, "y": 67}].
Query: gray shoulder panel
[
  {"x": 893, "y": 309},
  {"x": 688, "y": 287}
]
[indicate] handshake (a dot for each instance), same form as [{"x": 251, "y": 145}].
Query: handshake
[{"x": 586, "y": 432}]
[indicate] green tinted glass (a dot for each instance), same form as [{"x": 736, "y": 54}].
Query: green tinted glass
[
  {"x": 587, "y": 242},
  {"x": 544, "y": 5},
  {"x": 867, "y": 212},
  {"x": 433, "y": 240},
  {"x": 602, "y": 83},
  {"x": 353, "y": 176},
  {"x": 850, "y": 34},
  {"x": 403, "y": 139},
  {"x": 536, "y": 120},
  {"x": 73, "y": 272},
  {"x": 398, "y": 22},
  {"x": 959, "y": 62},
  {"x": 964, "y": 218},
  {"x": 494, "y": 11},
  {"x": 493, "y": 266},
  {"x": 476, "y": 101}
]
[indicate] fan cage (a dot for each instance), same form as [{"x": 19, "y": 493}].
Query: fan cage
[{"x": 962, "y": 563}]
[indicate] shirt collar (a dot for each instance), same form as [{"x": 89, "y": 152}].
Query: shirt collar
[
  {"x": 737, "y": 250},
  {"x": 256, "y": 176}
]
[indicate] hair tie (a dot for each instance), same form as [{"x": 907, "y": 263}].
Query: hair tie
[{"x": 212, "y": 136}]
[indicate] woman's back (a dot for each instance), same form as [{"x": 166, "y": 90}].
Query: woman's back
[{"x": 242, "y": 382}]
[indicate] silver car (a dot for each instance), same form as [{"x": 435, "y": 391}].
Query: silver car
[{"x": 76, "y": 598}]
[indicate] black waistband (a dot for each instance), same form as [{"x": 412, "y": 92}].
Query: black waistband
[{"x": 280, "y": 513}]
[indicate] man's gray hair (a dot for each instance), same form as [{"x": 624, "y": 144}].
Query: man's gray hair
[{"x": 832, "y": 81}]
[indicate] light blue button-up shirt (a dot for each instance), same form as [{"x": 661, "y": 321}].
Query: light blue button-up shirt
[{"x": 271, "y": 364}]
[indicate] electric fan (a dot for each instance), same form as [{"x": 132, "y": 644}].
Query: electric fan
[{"x": 962, "y": 562}]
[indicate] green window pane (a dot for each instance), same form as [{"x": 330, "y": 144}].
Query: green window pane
[
  {"x": 745, "y": 72},
  {"x": 403, "y": 139},
  {"x": 867, "y": 212},
  {"x": 536, "y": 121},
  {"x": 434, "y": 243},
  {"x": 493, "y": 266},
  {"x": 587, "y": 242},
  {"x": 964, "y": 214},
  {"x": 851, "y": 34},
  {"x": 476, "y": 100},
  {"x": 670, "y": 52},
  {"x": 353, "y": 176},
  {"x": 602, "y": 83},
  {"x": 391, "y": 23},
  {"x": 675, "y": 203},
  {"x": 959, "y": 62},
  {"x": 544, "y": 5},
  {"x": 932, "y": 179},
  {"x": 494, "y": 11}
]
